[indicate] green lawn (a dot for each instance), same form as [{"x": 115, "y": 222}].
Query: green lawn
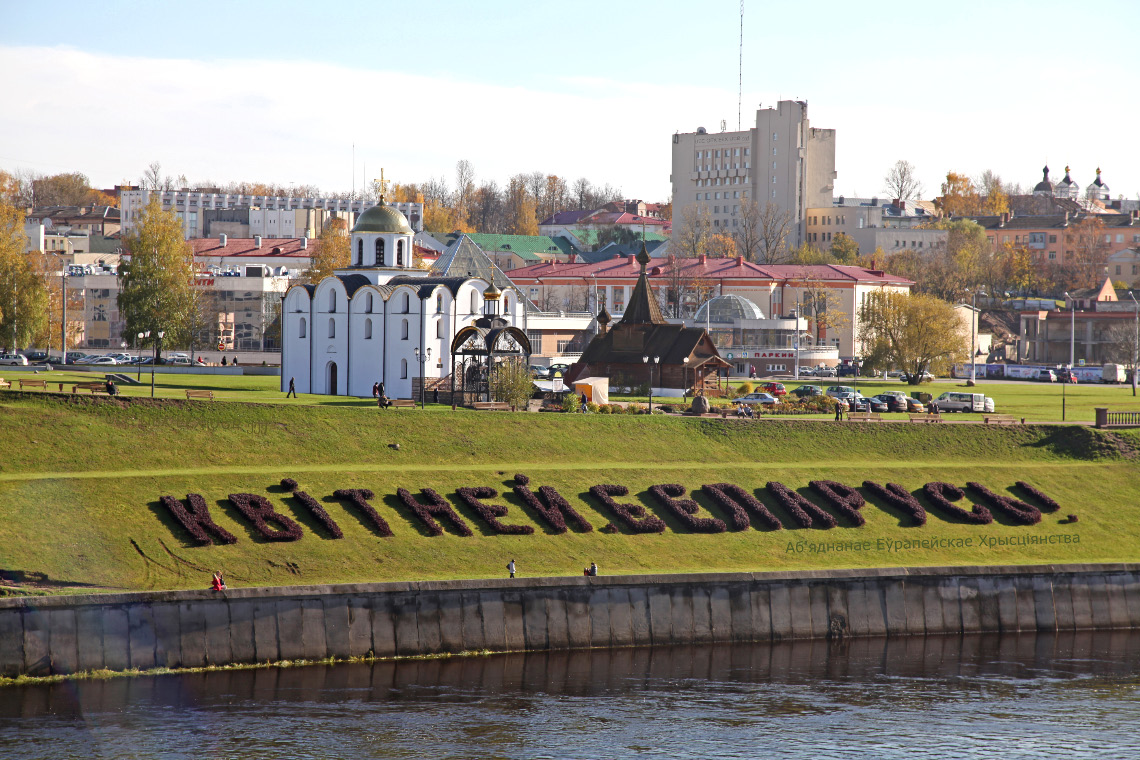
[{"x": 80, "y": 481}]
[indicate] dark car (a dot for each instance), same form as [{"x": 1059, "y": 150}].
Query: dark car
[
  {"x": 36, "y": 356},
  {"x": 1063, "y": 376},
  {"x": 807, "y": 391},
  {"x": 893, "y": 403}
]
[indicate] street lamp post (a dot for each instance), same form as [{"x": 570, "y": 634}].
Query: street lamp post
[
  {"x": 645, "y": 360},
  {"x": 685, "y": 373},
  {"x": 63, "y": 321},
  {"x": 856, "y": 363},
  {"x": 1135, "y": 341},
  {"x": 157, "y": 352},
  {"x": 138, "y": 357},
  {"x": 422, "y": 358},
  {"x": 973, "y": 332}
]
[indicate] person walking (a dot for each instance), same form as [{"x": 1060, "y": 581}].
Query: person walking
[
  {"x": 511, "y": 568},
  {"x": 292, "y": 389},
  {"x": 224, "y": 361},
  {"x": 838, "y": 410},
  {"x": 375, "y": 390}
]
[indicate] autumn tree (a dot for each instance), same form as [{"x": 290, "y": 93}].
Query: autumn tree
[
  {"x": 521, "y": 206},
  {"x": 620, "y": 234},
  {"x": 510, "y": 382},
  {"x": 774, "y": 224},
  {"x": 721, "y": 246},
  {"x": 843, "y": 249},
  {"x": 912, "y": 332},
  {"x": 959, "y": 196},
  {"x": 747, "y": 236},
  {"x": 902, "y": 181},
  {"x": 49, "y": 269},
  {"x": 70, "y": 189},
  {"x": 156, "y": 282},
  {"x": 1085, "y": 253},
  {"x": 692, "y": 236},
  {"x": 821, "y": 305},
  {"x": 464, "y": 195},
  {"x": 333, "y": 251},
  {"x": 23, "y": 292}
]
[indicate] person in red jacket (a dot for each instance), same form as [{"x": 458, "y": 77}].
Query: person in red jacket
[{"x": 217, "y": 584}]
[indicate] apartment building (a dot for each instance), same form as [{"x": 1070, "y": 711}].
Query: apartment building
[
  {"x": 782, "y": 160},
  {"x": 190, "y": 205}
]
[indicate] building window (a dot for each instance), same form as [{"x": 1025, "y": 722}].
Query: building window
[
  {"x": 775, "y": 136},
  {"x": 1052, "y": 238},
  {"x": 1118, "y": 269},
  {"x": 439, "y": 328},
  {"x": 773, "y": 180},
  {"x": 304, "y": 325},
  {"x": 359, "y": 252},
  {"x": 403, "y": 369},
  {"x": 368, "y": 303},
  {"x": 379, "y": 252},
  {"x": 399, "y": 253},
  {"x": 474, "y": 302},
  {"x": 405, "y": 304},
  {"x": 403, "y": 329},
  {"x": 368, "y": 329},
  {"x": 439, "y": 303},
  {"x": 332, "y": 327},
  {"x": 332, "y": 301},
  {"x": 563, "y": 345}
]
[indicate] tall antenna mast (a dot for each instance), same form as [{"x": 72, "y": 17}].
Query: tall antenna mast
[{"x": 740, "y": 70}]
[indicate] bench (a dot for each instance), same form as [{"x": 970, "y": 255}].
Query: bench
[
  {"x": 33, "y": 384},
  {"x": 201, "y": 394},
  {"x": 402, "y": 403},
  {"x": 933, "y": 417},
  {"x": 1000, "y": 419},
  {"x": 491, "y": 406},
  {"x": 89, "y": 387},
  {"x": 4, "y": 383},
  {"x": 865, "y": 417}
]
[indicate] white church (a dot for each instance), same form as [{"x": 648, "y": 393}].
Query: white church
[{"x": 381, "y": 318}]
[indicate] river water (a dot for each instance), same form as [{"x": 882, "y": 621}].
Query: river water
[{"x": 1032, "y": 696}]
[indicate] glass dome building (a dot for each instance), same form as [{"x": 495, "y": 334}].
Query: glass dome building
[{"x": 727, "y": 309}]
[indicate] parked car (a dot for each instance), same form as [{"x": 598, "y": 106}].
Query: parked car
[
  {"x": 894, "y": 403},
  {"x": 925, "y": 378},
  {"x": 839, "y": 390},
  {"x": 960, "y": 402},
  {"x": 1067, "y": 376},
  {"x": 826, "y": 372},
  {"x": 776, "y": 389},
  {"x": 563, "y": 368},
  {"x": 104, "y": 360},
  {"x": 36, "y": 356},
  {"x": 14, "y": 360},
  {"x": 183, "y": 361},
  {"x": 75, "y": 356},
  {"x": 1046, "y": 376},
  {"x": 750, "y": 399},
  {"x": 807, "y": 391}
]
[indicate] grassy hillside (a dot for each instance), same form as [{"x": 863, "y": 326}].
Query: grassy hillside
[{"x": 80, "y": 481}]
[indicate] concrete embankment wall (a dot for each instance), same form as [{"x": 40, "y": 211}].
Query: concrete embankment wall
[{"x": 46, "y": 635}]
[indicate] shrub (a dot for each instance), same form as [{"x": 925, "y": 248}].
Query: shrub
[
  {"x": 633, "y": 515},
  {"x": 634, "y": 409},
  {"x": 734, "y": 500},
  {"x": 668, "y": 495},
  {"x": 490, "y": 513},
  {"x": 550, "y": 505},
  {"x": 899, "y": 498},
  {"x": 260, "y": 513},
  {"x": 592, "y": 407},
  {"x": 1047, "y": 504},
  {"x": 941, "y": 494},
  {"x": 806, "y": 514},
  {"x": 314, "y": 507},
  {"x": 436, "y": 506},
  {"x": 609, "y": 528},
  {"x": 359, "y": 498},
  {"x": 197, "y": 521},
  {"x": 570, "y": 402},
  {"x": 1016, "y": 510},
  {"x": 842, "y": 498},
  {"x": 744, "y": 388},
  {"x": 605, "y": 409}
]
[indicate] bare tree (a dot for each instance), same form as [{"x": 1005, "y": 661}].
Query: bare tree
[
  {"x": 902, "y": 182},
  {"x": 774, "y": 226},
  {"x": 747, "y": 235},
  {"x": 464, "y": 190},
  {"x": 152, "y": 177},
  {"x": 435, "y": 191},
  {"x": 692, "y": 236},
  {"x": 582, "y": 192}
]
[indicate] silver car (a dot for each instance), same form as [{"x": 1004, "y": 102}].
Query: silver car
[{"x": 14, "y": 360}]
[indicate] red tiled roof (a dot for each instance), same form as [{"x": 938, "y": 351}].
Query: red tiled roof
[
  {"x": 712, "y": 269},
  {"x": 248, "y": 247}
]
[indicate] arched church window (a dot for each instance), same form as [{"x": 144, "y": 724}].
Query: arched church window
[
  {"x": 332, "y": 327},
  {"x": 406, "y": 304},
  {"x": 332, "y": 301},
  {"x": 368, "y": 329},
  {"x": 304, "y": 325},
  {"x": 379, "y": 252},
  {"x": 403, "y": 329},
  {"x": 506, "y": 304},
  {"x": 399, "y": 253},
  {"x": 368, "y": 303},
  {"x": 360, "y": 252},
  {"x": 439, "y": 328},
  {"x": 439, "y": 303},
  {"x": 474, "y": 302},
  {"x": 403, "y": 369}
]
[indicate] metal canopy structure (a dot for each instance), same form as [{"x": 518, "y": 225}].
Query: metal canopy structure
[{"x": 476, "y": 349}]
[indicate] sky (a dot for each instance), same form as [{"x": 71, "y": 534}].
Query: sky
[{"x": 327, "y": 94}]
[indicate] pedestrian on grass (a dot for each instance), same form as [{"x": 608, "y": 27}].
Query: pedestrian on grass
[
  {"x": 216, "y": 583},
  {"x": 838, "y": 410},
  {"x": 594, "y": 569},
  {"x": 511, "y": 568},
  {"x": 375, "y": 390},
  {"x": 380, "y": 389},
  {"x": 292, "y": 389}
]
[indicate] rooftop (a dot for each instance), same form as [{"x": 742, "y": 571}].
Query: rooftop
[
  {"x": 706, "y": 268},
  {"x": 284, "y": 247}
]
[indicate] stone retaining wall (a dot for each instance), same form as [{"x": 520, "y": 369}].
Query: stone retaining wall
[{"x": 67, "y": 634}]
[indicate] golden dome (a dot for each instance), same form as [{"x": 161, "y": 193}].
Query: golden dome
[{"x": 383, "y": 219}]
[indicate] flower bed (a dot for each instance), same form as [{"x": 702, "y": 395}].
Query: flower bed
[
  {"x": 197, "y": 521},
  {"x": 260, "y": 513},
  {"x": 737, "y": 503},
  {"x": 490, "y": 513},
  {"x": 552, "y": 507},
  {"x": 805, "y": 513},
  {"x": 436, "y": 506},
  {"x": 941, "y": 494},
  {"x": 633, "y": 515},
  {"x": 843, "y": 499},
  {"x": 899, "y": 498},
  {"x": 1047, "y": 504},
  {"x": 1016, "y": 510},
  {"x": 314, "y": 507},
  {"x": 359, "y": 498},
  {"x": 668, "y": 495}
]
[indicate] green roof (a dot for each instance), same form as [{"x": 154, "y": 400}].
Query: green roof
[
  {"x": 589, "y": 237},
  {"x": 520, "y": 244}
]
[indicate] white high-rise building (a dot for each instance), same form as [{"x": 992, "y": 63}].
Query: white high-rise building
[{"x": 782, "y": 160}]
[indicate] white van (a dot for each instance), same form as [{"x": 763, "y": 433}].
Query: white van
[{"x": 960, "y": 402}]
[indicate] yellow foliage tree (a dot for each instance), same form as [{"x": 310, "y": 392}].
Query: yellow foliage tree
[
  {"x": 959, "y": 196},
  {"x": 721, "y": 246},
  {"x": 23, "y": 293},
  {"x": 333, "y": 251}
]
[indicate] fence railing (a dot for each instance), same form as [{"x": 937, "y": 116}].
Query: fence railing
[{"x": 1124, "y": 418}]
